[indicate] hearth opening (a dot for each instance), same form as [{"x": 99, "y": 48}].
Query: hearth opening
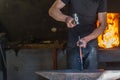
[
  {"x": 109, "y": 43},
  {"x": 110, "y": 37}
]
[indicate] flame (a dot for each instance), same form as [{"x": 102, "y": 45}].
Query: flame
[{"x": 110, "y": 37}]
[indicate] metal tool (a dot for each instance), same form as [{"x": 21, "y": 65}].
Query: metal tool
[
  {"x": 76, "y": 19},
  {"x": 81, "y": 55}
]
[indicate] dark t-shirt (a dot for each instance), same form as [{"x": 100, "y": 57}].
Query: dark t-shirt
[
  {"x": 87, "y": 5},
  {"x": 87, "y": 11}
]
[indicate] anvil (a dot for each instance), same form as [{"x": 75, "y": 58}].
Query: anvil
[{"x": 70, "y": 74}]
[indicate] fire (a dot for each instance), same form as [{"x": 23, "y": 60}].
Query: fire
[{"x": 110, "y": 37}]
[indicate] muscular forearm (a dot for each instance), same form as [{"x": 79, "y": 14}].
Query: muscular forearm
[
  {"x": 91, "y": 36},
  {"x": 57, "y": 15},
  {"x": 95, "y": 33},
  {"x": 99, "y": 30}
]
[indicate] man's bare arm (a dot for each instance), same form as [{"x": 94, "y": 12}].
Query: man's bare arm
[
  {"x": 55, "y": 12},
  {"x": 97, "y": 31}
]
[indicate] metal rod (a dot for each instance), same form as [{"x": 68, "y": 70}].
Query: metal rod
[{"x": 81, "y": 57}]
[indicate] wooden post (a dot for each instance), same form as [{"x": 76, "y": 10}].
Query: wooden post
[{"x": 54, "y": 57}]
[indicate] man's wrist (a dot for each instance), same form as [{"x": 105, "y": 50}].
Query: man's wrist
[
  {"x": 67, "y": 18},
  {"x": 87, "y": 39}
]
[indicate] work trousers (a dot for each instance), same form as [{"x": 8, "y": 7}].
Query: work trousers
[{"x": 89, "y": 57}]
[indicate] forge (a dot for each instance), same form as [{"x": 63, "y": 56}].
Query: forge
[
  {"x": 109, "y": 42},
  {"x": 110, "y": 37}
]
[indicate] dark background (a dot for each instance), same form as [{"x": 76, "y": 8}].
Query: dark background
[{"x": 25, "y": 20}]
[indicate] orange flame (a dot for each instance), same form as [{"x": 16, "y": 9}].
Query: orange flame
[{"x": 110, "y": 37}]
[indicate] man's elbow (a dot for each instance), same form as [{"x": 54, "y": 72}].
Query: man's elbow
[{"x": 51, "y": 12}]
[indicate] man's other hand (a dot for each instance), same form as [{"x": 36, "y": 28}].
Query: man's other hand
[
  {"x": 82, "y": 43},
  {"x": 70, "y": 22}
]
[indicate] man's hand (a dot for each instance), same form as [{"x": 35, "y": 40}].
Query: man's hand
[
  {"x": 82, "y": 43},
  {"x": 70, "y": 22}
]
